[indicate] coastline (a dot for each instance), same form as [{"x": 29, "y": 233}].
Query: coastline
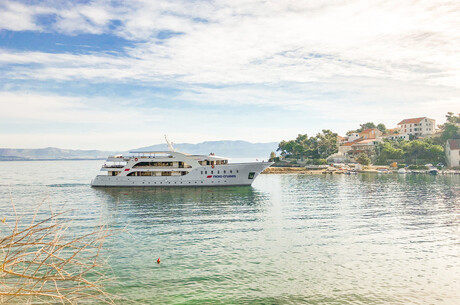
[
  {"x": 291, "y": 170},
  {"x": 305, "y": 171}
]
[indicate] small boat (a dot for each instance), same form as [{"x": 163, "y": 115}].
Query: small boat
[{"x": 433, "y": 171}]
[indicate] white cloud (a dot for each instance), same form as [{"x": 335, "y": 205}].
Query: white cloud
[
  {"x": 260, "y": 41},
  {"x": 340, "y": 61},
  {"x": 247, "y": 42},
  {"x": 35, "y": 107},
  {"x": 20, "y": 17}
]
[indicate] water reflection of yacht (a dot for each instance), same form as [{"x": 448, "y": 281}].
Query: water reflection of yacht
[
  {"x": 172, "y": 168},
  {"x": 204, "y": 195}
]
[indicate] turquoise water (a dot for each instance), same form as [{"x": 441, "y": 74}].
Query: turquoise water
[{"x": 288, "y": 239}]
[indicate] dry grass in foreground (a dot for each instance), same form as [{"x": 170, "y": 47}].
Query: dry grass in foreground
[{"x": 41, "y": 262}]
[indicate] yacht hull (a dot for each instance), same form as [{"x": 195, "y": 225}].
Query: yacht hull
[{"x": 231, "y": 174}]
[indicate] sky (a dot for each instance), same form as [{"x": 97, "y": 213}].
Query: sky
[{"x": 122, "y": 74}]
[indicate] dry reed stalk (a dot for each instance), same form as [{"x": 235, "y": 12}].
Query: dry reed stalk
[{"x": 42, "y": 263}]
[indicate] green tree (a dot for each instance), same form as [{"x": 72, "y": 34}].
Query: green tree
[
  {"x": 286, "y": 148},
  {"x": 272, "y": 156},
  {"x": 382, "y": 127},
  {"x": 294, "y": 148},
  {"x": 389, "y": 152},
  {"x": 422, "y": 150},
  {"x": 320, "y": 146},
  {"x": 450, "y": 129},
  {"x": 451, "y": 118},
  {"x": 412, "y": 152},
  {"x": 349, "y": 132},
  {"x": 327, "y": 143},
  {"x": 363, "y": 159},
  {"x": 366, "y": 126},
  {"x": 436, "y": 154}
]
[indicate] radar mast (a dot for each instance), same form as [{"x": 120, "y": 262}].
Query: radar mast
[{"x": 170, "y": 145}]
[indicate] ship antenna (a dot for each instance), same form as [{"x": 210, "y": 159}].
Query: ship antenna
[{"x": 170, "y": 144}]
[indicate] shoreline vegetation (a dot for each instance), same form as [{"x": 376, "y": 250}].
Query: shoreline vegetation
[
  {"x": 335, "y": 171},
  {"x": 44, "y": 261},
  {"x": 384, "y": 148}
]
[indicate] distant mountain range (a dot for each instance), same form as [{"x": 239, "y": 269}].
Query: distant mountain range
[
  {"x": 50, "y": 153},
  {"x": 232, "y": 149}
]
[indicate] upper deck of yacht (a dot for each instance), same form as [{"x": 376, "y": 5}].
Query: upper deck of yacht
[{"x": 210, "y": 159}]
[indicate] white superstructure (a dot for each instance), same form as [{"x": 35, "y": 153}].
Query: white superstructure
[{"x": 171, "y": 168}]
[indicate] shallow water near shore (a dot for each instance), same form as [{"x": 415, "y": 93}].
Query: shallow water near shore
[{"x": 288, "y": 239}]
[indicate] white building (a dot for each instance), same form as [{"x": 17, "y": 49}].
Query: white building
[
  {"x": 417, "y": 127},
  {"x": 453, "y": 153},
  {"x": 353, "y": 137},
  {"x": 395, "y": 134}
]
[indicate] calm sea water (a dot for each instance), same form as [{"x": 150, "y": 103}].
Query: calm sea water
[{"x": 288, "y": 239}]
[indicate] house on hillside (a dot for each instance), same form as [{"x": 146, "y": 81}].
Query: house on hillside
[
  {"x": 353, "y": 137},
  {"x": 346, "y": 147},
  {"x": 453, "y": 153},
  {"x": 350, "y": 150},
  {"x": 395, "y": 134},
  {"x": 367, "y": 146},
  {"x": 417, "y": 127},
  {"x": 341, "y": 140},
  {"x": 370, "y": 133}
]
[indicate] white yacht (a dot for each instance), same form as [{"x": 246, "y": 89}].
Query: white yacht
[{"x": 172, "y": 168}]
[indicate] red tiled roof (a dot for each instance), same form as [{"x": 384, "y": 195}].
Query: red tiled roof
[
  {"x": 350, "y": 143},
  {"x": 368, "y": 130},
  {"x": 411, "y": 121},
  {"x": 365, "y": 141},
  {"x": 392, "y": 130},
  {"x": 454, "y": 144}
]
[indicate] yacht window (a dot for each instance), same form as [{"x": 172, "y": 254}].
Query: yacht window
[
  {"x": 218, "y": 172},
  {"x": 212, "y": 172},
  {"x": 237, "y": 171},
  {"x": 205, "y": 172},
  {"x": 230, "y": 171},
  {"x": 202, "y": 172},
  {"x": 224, "y": 172},
  {"x": 251, "y": 175}
]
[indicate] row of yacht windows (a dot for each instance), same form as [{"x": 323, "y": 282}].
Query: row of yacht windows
[
  {"x": 218, "y": 172},
  {"x": 180, "y": 182},
  {"x": 214, "y": 162},
  {"x": 176, "y": 164},
  {"x": 169, "y": 173},
  {"x": 183, "y": 173}
]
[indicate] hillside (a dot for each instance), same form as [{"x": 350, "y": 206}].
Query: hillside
[
  {"x": 240, "y": 149},
  {"x": 12, "y": 154}
]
